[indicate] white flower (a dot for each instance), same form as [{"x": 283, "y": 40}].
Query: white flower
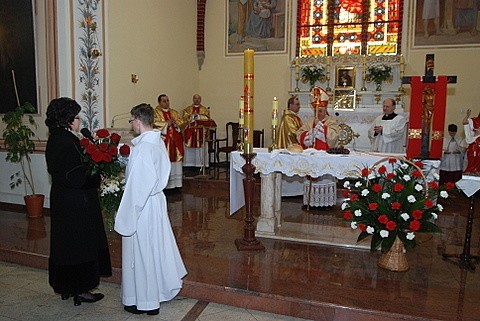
[
  {"x": 384, "y": 233},
  {"x": 365, "y": 192},
  {"x": 436, "y": 176},
  {"x": 405, "y": 216},
  {"x": 370, "y": 230},
  {"x": 404, "y": 165},
  {"x": 358, "y": 184},
  {"x": 385, "y": 196},
  {"x": 371, "y": 176},
  {"x": 406, "y": 178},
  {"x": 411, "y": 199},
  {"x": 358, "y": 212},
  {"x": 344, "y": 205},
  {"x": 410, "y": 236},
  {"x": 444, "y": 194},
  {"x": 418, "y": 187},
  {"x": 346, "y": 184},
  {"x": 353, "y": 225},
  {"x": 440, "y": 207},
  {"x": 435, "y": 216}
]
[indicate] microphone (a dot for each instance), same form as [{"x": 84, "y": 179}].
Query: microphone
[
  {"x": 118, "y": 117},
  {"x": 86, "y": 133}
]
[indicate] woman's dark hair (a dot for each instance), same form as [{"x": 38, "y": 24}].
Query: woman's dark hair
[
  {"x": 144, "y": 113},
  {"x": 61, "y": 112}
]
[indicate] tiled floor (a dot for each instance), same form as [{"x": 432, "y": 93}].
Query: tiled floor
[
  {"x": 309, "y": 281},
  {"x": 25, "y": 295}
]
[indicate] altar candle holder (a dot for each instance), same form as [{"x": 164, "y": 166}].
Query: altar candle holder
[{"x": 297, "y": 73}]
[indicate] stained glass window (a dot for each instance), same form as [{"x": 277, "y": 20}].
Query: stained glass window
[{"x": 349, "y": 27}]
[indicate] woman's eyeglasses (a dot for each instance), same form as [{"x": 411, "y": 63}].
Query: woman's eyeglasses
[{"x": 131, "y": 120}]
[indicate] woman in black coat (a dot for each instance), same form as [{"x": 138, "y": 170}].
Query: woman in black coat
[{"x": 78, "y": 247}]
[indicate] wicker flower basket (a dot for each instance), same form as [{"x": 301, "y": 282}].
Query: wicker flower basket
[{"x": 394, "y": 259}]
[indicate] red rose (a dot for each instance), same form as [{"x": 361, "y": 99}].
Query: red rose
[
  {"x": 106, "y": 157},
  {"x": 347, "y": 214},
  {"x": 365, "y": 172},
  {"x": 398, "y": 187},
  {"x": 390, "y": 175},
  {"x": 449, "y": 186},
  {"x": 91, "y": 148},
  {"x": 377, "y": 188},
  {"x": 417, "y": 174},
  {"x": 419, "y": 164},
  {"x": 382, "y": 170},
  {"x": 433, "y": 185},
  {"x": 417, "y": 214},
  {"x": 84, "y": 142},
  {"x": 102, "y": 133},
  {"x": 103, "y": 147},
  {"x": 372, "y": 206},
  {"x": 354, "y": 197},
  {"x": 97, "y": 156},
  {"x": 414, "y": 225},
  {"x": 391, "y": 225},
  {"x": 392, "y": 160},
  {"x": 428, "y": 204},
  {"x": 396, "y": 205},
  {"x": 113, "y": 150},
  {"x": 115, "y": 138},
  {"x": 125, "y": 151},
  {"x": 383, "y": 218},
  {"x": 362, "y": 227}
]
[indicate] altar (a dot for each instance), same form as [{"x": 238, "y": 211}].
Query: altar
[{"x": 311, "y": 162}]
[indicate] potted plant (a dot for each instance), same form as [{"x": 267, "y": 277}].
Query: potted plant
[{"x": 19, "y": 145}]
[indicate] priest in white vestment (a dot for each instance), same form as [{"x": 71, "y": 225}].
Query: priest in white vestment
[
  {"x": 152, "y": 268},
  {"x": 388, "y": 132}
]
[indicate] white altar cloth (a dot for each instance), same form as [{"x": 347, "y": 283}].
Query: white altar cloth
[{"x": 311, "y": 162}]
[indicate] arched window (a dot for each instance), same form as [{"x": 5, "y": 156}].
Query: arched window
[{"x": 349, "y": 27}]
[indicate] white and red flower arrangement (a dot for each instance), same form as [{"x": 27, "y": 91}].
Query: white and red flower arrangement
[
  {"x": 393, "y": 200},
  {"x": 108, "y": 158}
]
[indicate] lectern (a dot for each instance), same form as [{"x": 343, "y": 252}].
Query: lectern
[{"x": 204, "y": 127}]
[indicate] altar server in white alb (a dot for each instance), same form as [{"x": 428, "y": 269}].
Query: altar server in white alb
[
  {"x": 152, "y": 268},
  {"x": 387, "y": 133}
]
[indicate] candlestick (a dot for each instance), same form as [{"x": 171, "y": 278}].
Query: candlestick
[
  {"x": 248, "y": 95},
  {"x": 241, "y": 119},
  {"x": 297, "y": 68},
  {"x": 275, "y": 112}
]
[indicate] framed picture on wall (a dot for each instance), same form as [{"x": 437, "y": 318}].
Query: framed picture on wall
[
  {"x": 344, "y": 99},
  {"x": 345, "y": 77},
  {"x": 455, "y": 25},
  {"x": 261, "y": 25}
]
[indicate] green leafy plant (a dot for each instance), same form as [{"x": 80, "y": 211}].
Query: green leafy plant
[
  {"x": 312, "y": 74},
  {"x": 379, "y": 73},
  {"x": 19, "y": 144},
  {"x": 391, "y": 201}
]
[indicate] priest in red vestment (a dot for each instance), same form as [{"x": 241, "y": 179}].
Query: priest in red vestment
[
  {"x": 193, "y": 134},
  {"x": 171, "y": 124}
]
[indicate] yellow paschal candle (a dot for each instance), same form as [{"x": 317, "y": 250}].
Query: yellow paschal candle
[
  {"x": 275, "y": 112},
  {"x": 248, "y": 94}
]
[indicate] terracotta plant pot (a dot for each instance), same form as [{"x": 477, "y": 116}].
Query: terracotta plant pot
[
  {"x": 394, "y": 259},
  {"x": 34, "y": 205}
]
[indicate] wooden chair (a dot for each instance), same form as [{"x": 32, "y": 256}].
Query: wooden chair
[
  {"x": 259, "y": 138},
  {"x": 211, "y": 146},
  {"x": 229, "y": 143}
]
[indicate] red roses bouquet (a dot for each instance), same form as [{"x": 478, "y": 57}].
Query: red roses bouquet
[
  {"x": 103, "y": 155},
  {"x": 393, "y": 200}
]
